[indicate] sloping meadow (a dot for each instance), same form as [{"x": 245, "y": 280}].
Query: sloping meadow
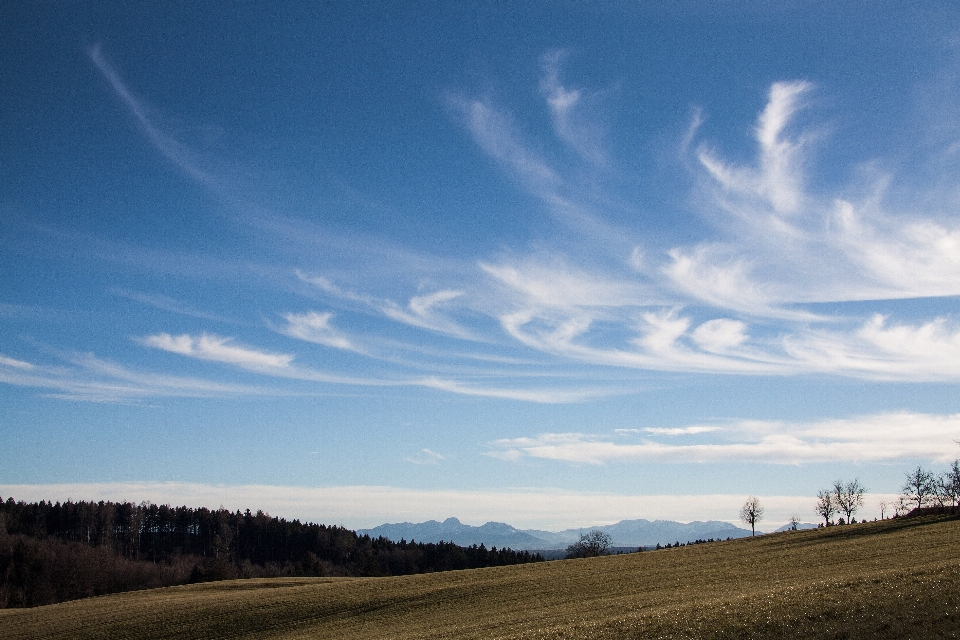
[{"x": 891, "y": 579}]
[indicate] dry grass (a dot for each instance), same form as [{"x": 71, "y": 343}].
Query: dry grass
[{"x": 892, "y": 579}]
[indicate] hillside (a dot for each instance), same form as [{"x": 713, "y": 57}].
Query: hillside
[
  {"x": 890, "y": 579},
  {"x": 54, "y": 552}
]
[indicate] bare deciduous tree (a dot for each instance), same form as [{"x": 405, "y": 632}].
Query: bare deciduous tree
[
  {"x": 947, "y": 486},
  {"x": 793, "y": 522},
  {"x": 919, "y": 487},
  {"x": 594, "y": 543},
  {"x": 848, "y": 497},
  {"x": 825, "y": 506},
  {"x": 751, "y": 512}
]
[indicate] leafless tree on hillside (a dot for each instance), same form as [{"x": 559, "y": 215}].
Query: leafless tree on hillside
[
  {"x": 848, "y": 497},
  {"x": 589, "y": 545},
  {"x": 751, "y": 512},
  {"x": 947, "y": 486},
  {"x": 919, "y": 487},
  {"x": 825, "y": 506}
]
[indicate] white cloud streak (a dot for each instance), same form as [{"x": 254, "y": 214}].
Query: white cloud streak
[
  {"x": 778, "y": 178},
  {"x": 217, "y": 349},
  {"x": 496, "y": 135},
  {"x": 366, "y": 506},
  {"x": 15, "y": 364},
  {"x": 425, "y": 457},
  {"x": 882, "y": 437},
  {"x": 315, "y": 327},
  {"x": 174, "y": 151},
  {"x": 879, "y": 350},
  {"x": 566, "y": 107},
  {"x": 781, "y": 245},
  {"x": 421, "y": 311},
  {"x": 543, "y": 396},
  {"x": 788, "y": 244},
  {"x": 224, "y": 350},
  {"x": 90, "y": 379}
]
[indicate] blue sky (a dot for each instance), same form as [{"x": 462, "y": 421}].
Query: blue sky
[{"x": 554, "y": 265}]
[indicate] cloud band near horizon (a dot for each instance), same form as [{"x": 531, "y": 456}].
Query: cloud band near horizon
[{"x": 360, "y": 507}]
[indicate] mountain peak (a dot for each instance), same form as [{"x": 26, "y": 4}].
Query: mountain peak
[{"x": 626, "y": 533}]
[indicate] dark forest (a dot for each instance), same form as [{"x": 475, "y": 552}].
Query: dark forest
[{"x": 52, "y": 552}]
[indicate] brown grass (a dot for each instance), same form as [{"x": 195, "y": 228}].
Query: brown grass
[{"x": 892, "y": 579}]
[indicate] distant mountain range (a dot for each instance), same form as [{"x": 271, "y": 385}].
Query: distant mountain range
[{"x": 626, "y": 533}]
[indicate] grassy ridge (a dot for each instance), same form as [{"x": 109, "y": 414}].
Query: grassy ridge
[{"x": 892, "y": 579}]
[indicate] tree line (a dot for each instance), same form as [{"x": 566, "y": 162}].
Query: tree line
[
  {"x": 51, "y": 552},
  {"x": 922, "y": 491}
]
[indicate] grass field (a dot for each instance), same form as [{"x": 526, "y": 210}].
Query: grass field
[{"x": 891, "y": 579}]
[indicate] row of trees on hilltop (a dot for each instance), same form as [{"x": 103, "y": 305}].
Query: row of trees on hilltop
[
  {"x": 842, "y": 497},
  {"x": 51, "y": 552},
  {"x": 924, "y": 489},
  {"x": 921, "y": 490}
]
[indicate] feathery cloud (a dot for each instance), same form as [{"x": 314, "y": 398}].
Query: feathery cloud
[
  {"x": 425, "y": 457},
  {"x": 87, "y": 378},
  {"x": 217, "y": 349},
  {"x": 176, "y": 152},
  {"x": 566, "y": 109},
  {"x": 315, "y": 327},
  {"x": 359, "y": 506},
  {"x": 882, "y": 437}
]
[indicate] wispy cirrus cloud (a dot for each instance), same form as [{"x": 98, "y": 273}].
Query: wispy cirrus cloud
[
  {"x": 224, "y": 350},
  {"x": 781, "y": 243},
  {"x": 777, "y": 180},
  {"x": 724, "y": 277},
  {"x": 566, "y": 109},
  {"x": 527, "y": 394},
  {"x": 166, "y": 303},
  {"x": 787, "y": 243},
  {"x": 13, "y": 363},
  {"x": 659, "y": 340},
  {"x": 552, "y": 282},
  {"x": 176, "y": 152},
  {"x": 315, "y": 327},
  {"x": 671, "y": 431},
  {"x": 424, "y": 311},
  {"x": 880, "y": 350},
  {"x": 87, "y": 378},
  {"x": 497, "y": 135},
  {"x": 882, "y": 437},
  {"x": 218, "y": 349},
  {"x": 425, "y": 457}
]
